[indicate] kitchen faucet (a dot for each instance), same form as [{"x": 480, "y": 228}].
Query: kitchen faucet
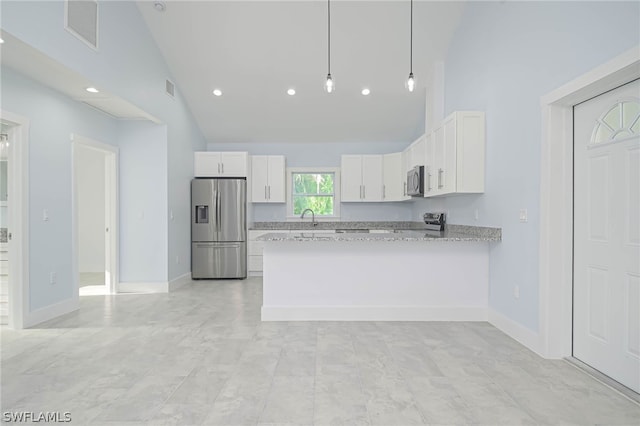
[{"x": 313, "y": 216}]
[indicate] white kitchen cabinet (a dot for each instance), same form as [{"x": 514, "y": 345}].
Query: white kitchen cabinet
[
  {"x": 429, "y": 165},
  {"x": 361, "y": 178},
  {"x": 217, "y": 164},
  {"x": 268, "y": 179},
  {"x": 394, "y": 177},
  {"x": 459, "y": 154}
]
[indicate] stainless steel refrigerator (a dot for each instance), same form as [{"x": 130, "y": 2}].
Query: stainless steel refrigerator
[{"x": 218, "y": 228}]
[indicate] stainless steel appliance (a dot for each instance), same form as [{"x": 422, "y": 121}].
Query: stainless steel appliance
[
  {"x": 218, "y": 228},
  {"x": 434, "y": 221},
  {"x": 415, "y": 182}
]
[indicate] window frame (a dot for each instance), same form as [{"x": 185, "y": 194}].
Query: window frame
[{"x": 336, "y": 191}]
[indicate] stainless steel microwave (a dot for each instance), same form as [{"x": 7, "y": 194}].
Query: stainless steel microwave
[{"x": 415, "y": 182}]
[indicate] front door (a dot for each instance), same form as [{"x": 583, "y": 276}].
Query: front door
[{"x": 606, "y": 310}]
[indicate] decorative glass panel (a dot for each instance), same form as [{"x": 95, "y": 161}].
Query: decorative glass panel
[{"x": 620, "y": 122}]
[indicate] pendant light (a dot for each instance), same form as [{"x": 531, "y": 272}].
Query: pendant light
[
  {"x": 329, "y": 86},
  {"x": 411, "y": 81}
]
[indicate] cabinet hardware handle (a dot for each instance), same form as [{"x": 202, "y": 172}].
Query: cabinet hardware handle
[
  {"x": 364, "y": 192},
  {"x": 222, "y": 168},
  {"x": 384, "y": 191},
  {"x": 405, "y": 188},
  {"x": 440, "y": 173},
  {"x": 218, "y": 168},
  {"x": 269, "y": 191},
  {"x": 265, "y": 193},
  {"x": 428, "y": 181}
]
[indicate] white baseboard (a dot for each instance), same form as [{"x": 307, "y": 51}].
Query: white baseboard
[
  {"x": 143, "y": 287},
  {"x": 50, "y": 312},
  {"x": 180, "y": 281},
  {"x": 516, "y": 331},
  {"x": 373, "y": 313}
]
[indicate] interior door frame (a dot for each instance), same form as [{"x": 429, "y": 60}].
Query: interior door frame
[
  {"x": 18, "y": 188},
  {"x": 112, "y": 246},
  {"x": 556, "y": 198}
]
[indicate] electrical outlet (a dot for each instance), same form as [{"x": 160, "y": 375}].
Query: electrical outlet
[
  {"x": 516, "y": 292},
  {"x": 178, "y": 259},
  {"x": 45, "y": 215},
  {"x": 476, "y": 215},
  {"x": 523, "y": 215},
  {"x": 141, "y": 215},
  {"x": 171, "y": 214},
  {"x": 52, "y": 278}
]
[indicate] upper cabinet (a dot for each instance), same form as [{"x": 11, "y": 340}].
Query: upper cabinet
[
  {"x": 394, "y": 177},
  {"x": 415, "y": 153},
  {"x": 456, "y": 163},
  {"x": 218, "y": 164},
  {"x": 361, "y": 178},
  {"x": 268, "y": 179}
]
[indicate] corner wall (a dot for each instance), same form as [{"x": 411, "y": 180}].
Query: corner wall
[{"x": 503, "y": 58}]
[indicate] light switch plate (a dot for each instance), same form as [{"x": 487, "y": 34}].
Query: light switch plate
[{"x": 523, "y": 215}]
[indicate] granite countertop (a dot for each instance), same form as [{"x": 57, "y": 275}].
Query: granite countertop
[
  {"x": 453, "y": 233},
  {"x": 307, "y": 225}
]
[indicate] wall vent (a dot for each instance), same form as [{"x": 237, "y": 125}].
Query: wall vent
[
  {"x": 170, "y": 88},
  {"x": 81, "y": 20}
]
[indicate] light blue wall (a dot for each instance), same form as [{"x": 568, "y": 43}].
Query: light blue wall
[
  {"x": 52, "y": 118},
  {"x": 129, "y": 65},
  {"x": 503, "y": 58},
  {"x": 143, "y": 199},
  {"x": 323, "y": 155}
]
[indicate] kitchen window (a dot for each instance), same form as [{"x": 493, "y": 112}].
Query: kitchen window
[{"x": 317, "y": 189}]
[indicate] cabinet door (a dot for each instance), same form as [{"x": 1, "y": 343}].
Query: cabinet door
[
  {"x": 206, "y": 164},
  {"x": 372, "y": 177},
  {"x": 448, "y": 174},
  {"x": 259, "y": 178},
  {"x": 417, "y": 152},
  {"x": 276, "y": 190},
  {"x": 234, "y": 164},
  {"x": 470, "y": 151},
  {"x": 430, "y": 162},
  {"x": 351, "y": 178},
  {"x": 393, "y": 177}
]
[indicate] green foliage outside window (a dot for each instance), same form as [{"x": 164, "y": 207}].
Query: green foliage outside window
[{"x": 313, "y": 191}]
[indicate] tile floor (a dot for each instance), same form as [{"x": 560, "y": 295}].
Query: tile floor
[{"x": 201, "y": 356}]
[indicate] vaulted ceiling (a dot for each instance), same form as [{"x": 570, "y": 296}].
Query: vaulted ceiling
[{"x": 254, "y": 51}]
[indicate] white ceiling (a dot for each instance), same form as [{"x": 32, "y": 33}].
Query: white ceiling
[{"x": 254, "y": 51}]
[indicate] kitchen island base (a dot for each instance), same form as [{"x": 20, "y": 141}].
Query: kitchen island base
[{"x": 375, "y": 281}]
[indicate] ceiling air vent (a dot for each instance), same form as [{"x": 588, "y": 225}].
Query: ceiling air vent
[
  {"x": 81, "y": 20},
  {"x": 170, "y": 88}
]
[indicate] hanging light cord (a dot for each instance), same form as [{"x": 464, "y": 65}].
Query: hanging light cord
[
  {"x": 329, "y": 36},
  {"x": 411, "y": 42}
]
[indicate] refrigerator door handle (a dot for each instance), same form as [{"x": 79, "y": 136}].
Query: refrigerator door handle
[
  {"x": 219, "y": 211},
  {"x": 217, "y": 245}
]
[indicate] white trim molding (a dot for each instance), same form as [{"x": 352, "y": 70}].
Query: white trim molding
[
  {"x": 19, "y": 292},
  {"x": 516, "y": 331},
  {"x": 143, "y": 287},
  {"x": 556, "y": 197},
  {"x": 374, "y": 313},
  {"x": 52, "y": 311},
  {"x": 180, "y": 281}
]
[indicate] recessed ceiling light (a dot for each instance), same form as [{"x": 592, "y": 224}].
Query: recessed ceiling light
[
  {"x": 291, "y": 92},
  {"x": 217, "y": 92},
  {"x": 160, "y": 6},
  {"x": 366, "y": 91},
  {"x": 92, "y": 90}
]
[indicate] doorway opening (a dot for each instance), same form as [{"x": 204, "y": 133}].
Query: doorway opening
[
  {"x": 14, "y": 225},
  {"x": 95, "y": 218}
]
